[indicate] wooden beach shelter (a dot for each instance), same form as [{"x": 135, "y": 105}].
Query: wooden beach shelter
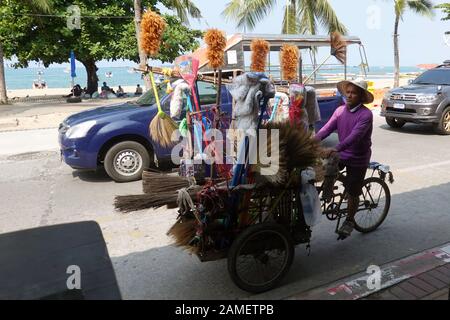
[{"x": 238, "y": 46}]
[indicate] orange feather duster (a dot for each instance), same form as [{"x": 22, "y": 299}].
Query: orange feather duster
[
  {"x": 260, "y": 48},
  {"x": 152, "y": 29},
  {"x": 289, "y": 56},
  {"x": 216, "y": 42}
]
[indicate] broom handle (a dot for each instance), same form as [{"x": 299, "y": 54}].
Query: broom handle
[
  {"x": 155, "y": 91},
  {"x": 317, "y": 69}
]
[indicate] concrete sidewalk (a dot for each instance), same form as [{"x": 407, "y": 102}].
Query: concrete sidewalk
[{"x": 422, "y": 276}]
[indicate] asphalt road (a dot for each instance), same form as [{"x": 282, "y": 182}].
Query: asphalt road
[{"x": 37, "y": 189}]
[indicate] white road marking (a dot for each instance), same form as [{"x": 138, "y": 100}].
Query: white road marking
[{"x": 422, "y": 167}]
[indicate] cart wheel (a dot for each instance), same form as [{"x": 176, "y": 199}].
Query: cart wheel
[
  {"x": 260, "y": 257},
  {"x": 376, "y": 200}
]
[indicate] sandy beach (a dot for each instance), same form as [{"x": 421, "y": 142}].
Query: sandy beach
[{"x": 22, "y": 93}]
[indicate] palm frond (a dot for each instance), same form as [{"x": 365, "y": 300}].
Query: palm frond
[
  {"x": 290, "y": 24},
  {"x": 422, "y": 7},
  {"x": 183, "y": 8},
  {"x": 306, "y": 16},
  {"x": 42, "y": 5},
  {"x": 327, "y": 17},
  {"x": 248, "y": 13}
]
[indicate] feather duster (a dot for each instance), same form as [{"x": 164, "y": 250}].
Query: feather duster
[
  {"x": 152, "y": 29},
  {"x": 289, "y": 57},
  {"x": 216, "y": 43},
  {"x": 260, "y": 48}
]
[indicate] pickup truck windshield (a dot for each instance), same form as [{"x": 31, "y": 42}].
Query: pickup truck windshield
[
  {"x": 148, "y": 98},
  {"x": 434, "y": 77}
]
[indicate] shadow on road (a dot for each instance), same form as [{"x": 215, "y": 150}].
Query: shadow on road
[
  {"x": 412, "y": 128},
  {"x": 99, "y": 175},
  {"x": 418, "y": 220}
]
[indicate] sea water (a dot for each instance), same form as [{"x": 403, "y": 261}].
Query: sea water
[{"x": 56, "y": 77}]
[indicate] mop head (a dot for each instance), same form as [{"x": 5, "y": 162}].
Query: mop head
[
  {"x": 161, "y": 129},
  {"x": 152, "y": 29},
  {"x": 176, "y": 103},
  {"x": 289, "y": 56},
  {"x": 260, "y": 48},
  {"x": 296, "y": 148},
  {"x": 338, "y": 47},
  {"x": 216, "y": 43}
]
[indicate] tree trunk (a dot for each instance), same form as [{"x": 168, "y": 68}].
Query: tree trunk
[
  {"x": 92, "y": 79},
  {"x": 137, "y": 26},
  {"x": 396, "y": 54},
  {"x": 3, "y": 96}
]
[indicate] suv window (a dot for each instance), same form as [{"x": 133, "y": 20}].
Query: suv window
[
  {"x": 148, "y": 98},
  {"x": 207, "y": 92},
  {"x": 434, "y": 77}
]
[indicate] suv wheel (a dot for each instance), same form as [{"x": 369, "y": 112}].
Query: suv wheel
[
  {"x": 395, "y": 123},
  {"x": 443, "y": 127},
  {"x": 126, "y": 161}
]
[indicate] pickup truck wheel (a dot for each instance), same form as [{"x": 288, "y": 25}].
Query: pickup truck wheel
[
  {"x": 395, "y": 123},
  {"x": 443, "y": 127},
  {"x": 125, "y": 161}
]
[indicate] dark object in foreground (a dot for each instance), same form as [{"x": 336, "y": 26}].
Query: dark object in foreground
[{"x": 40, "y": 263}]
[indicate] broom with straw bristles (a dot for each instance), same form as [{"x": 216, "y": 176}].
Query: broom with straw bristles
[
  {"x": 289, "y": 58},
  {"x": 131, "y": 203},
  {"x": 156, "y": 182},
  {"x": 338, "y": 50},
  {"x": 152, "y": 28}
]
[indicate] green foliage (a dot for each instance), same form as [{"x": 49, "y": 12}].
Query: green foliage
[
  {"x": 445, "y": 9},
  {"x": 101, "y": 37}
]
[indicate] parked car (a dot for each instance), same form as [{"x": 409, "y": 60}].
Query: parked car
[
  {"x": 117, "y": 137},
  {"x": 424, "y": 100}
]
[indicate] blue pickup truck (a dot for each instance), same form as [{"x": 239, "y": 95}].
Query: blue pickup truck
[{"x": 116, "y": 137}]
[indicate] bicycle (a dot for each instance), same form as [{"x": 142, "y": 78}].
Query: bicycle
[{"x": 374, "y": 202}]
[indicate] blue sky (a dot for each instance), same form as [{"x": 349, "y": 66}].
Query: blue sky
[{"x": 421, "y": 39}]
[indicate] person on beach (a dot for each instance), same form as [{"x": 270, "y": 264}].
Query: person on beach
[
  {"x": 354, "y": 124},
  {"x": 138, "y": 91},
  {"x": 120, "y": 92},
  {"x": 105, "y": 88}
]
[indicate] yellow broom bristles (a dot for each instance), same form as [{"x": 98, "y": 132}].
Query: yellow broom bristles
[
  {"x": 216, "y": 43},
  {"x": 152, "y": 29},
  {"x": 289, "y": 56},
  {"x": 161, "y": 130},
  {"x": 260, "y": 48}
]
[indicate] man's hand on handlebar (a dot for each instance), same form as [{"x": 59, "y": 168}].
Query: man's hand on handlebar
[{"x": 327, "y": 153}]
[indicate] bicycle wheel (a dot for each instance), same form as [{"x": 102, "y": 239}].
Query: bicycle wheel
[
  {"x": 373, "y": 210},
  {"x": 260, "y": 257}
]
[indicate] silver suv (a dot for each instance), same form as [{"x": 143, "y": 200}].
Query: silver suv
[{"x": 424, "y": 100}]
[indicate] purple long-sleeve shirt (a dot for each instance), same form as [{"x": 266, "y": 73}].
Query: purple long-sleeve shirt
[{"x": 355, "y": 134}]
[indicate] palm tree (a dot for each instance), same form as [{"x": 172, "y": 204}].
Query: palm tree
[
  {"x": 422, "y": 7},
  {"x": 42, "y": 5},
  {"x": 183, "y": 9},
  {"x": 300, "y": 16}
]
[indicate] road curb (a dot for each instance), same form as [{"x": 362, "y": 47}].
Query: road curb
[{"x": 356, "y": 286}]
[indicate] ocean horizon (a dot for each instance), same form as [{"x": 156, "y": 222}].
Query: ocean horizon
[{"x": 59, "y": 77}]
